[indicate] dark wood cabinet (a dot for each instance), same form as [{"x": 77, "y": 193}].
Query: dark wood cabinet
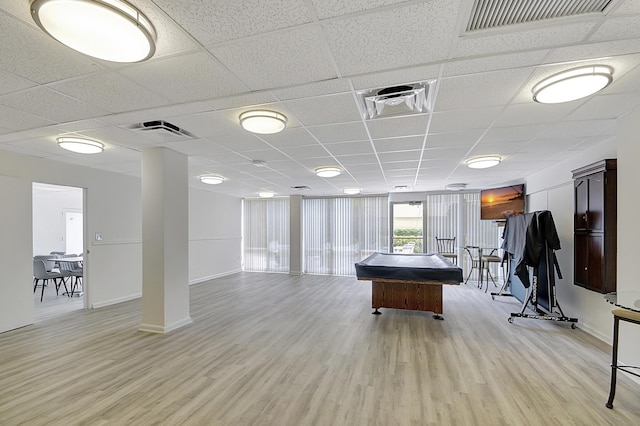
[{"x": 595, "y": 226}]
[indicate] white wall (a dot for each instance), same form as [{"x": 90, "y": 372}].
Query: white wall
[
  {"x": 113, "y": 207},
  {"x": 49, "y": 207},
  {"x": 16, "y": 279},
  {"x": 552, "y": 189},
  {"x": 214, "y": 235},
  {"x": 628, "y": 228}
]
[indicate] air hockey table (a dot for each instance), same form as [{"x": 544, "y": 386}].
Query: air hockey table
[{"x": 408, "y": 281}]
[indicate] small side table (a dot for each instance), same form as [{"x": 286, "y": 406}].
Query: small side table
[{"x": 628, "y": 309}]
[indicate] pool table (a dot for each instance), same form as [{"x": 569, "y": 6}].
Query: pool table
[{"x": 408, "y": 281}]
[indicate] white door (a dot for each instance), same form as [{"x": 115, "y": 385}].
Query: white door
[{"x": 74, "y": 237}]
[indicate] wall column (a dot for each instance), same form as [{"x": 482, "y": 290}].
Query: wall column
[
  {"x": 165, "y": 240},
  {"x": 295, "y": 235}
]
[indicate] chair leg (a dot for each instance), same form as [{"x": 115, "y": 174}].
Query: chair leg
[
  {"x": 43, "y": 284},
  {"x": 614, "y": 362},
  {"x": 35, "y": 284}
]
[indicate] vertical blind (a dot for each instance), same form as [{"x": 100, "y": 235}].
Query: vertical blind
[
  {"x": 441, "y": 219},
  {"x": 339, "y": 232},
  {"x": 482, "y": 233},
  {"x": 266, "y": 235}
]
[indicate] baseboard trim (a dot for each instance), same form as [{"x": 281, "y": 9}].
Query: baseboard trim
[
  {"x": 163, "y": 329},
  {"x": 212, "y": 277},
  {"x": 116, "y": 301}
]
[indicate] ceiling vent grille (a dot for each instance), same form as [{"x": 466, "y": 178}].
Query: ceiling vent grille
[
  {"x": 405, "y": 99},
  {"x": 161, "y": 131},
  {"x": 488, "y": 14}
]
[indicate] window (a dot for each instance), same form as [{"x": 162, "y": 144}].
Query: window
[
  {"x": 338, "y": 232},
  {"x": 266, "y": 235}
]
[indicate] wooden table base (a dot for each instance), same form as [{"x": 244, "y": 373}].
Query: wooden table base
[{"x": 415, "y": 296}]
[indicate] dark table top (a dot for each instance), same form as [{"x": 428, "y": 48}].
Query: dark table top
[{"x": 412, "y": 267}]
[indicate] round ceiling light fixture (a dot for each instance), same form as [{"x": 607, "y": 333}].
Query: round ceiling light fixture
[
  {"x": 111, "y": 30},
  {"x": 266, "y": 194},
  {"x": 212, "y": 179},
  {"x": 80, "y": 145},
  {"x": 573, "y": 84},
  {"x": 483, "y": 162},
  {"x": 263, "y": 121},
  {"x": 352, "y": 191},
  {"x": 328, "y": 172}
]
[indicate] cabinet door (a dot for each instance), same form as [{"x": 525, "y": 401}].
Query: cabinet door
[
  {"x": 581, "y": 198},
  {"x": 595, "y": 265},
  {"x": 596, "y": 202},
  {"x": 581, "y": 260}
]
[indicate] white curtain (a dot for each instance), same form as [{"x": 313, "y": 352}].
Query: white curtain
[
  {"x": 266, "y": 235},
  {"x": 339, "y": 232}
]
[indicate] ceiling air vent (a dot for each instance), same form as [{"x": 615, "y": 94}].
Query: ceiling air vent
[
  {"x": 300, "y": 188},
  {"x": 405, "y": 99},
  {"x": 160, "y": 130},
  {"x": 487, "y": 14}
]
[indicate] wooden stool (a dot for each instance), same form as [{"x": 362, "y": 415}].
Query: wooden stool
[{"x": 628, "y": 316}]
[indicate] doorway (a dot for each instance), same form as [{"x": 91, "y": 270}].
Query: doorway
[
  {"x": 58, "y": 228},
  {"x": 407, "y": 225}
]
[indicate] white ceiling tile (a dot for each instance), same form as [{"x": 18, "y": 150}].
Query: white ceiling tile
[
  {"x": 325, "y": 110},
  {"x": 494, "y": 63},
  {"x": 349, "y": 160},
  {"x": 221, "y": 20},
  {"x": 618, "y": 28},
  {"x": 110, "y": 92},
  {"x": 343, "y": 132},
  {"x": 186, "y": 78},
  {"x": 439, "y": 154},
  {"x": 563, "y": 33},
  {"x": 396, "y": 77},
  {"x": 512, "y": 133},
  {"x": 50, "y": 105},
  {"x": 606, "y": 106},
  {"x": 17, "y": 120},
  {"x": 390, "y": 157},
  {"x": 480, "y": 90},
  {"x": 11, "y": 83},
  {"x": 320, "y": 88},
  {"x": 382, "y": 40},
  {"x": 197, "y": 147},
  {"x": 261, "y": 64},
  {"x": 349, "y": 148},
  {"x": 304, "y": 152},
  {"x": 453, "y": 140},
  {"x": 592, "y": 51},
  {"x": 412, "y": 125},
  {"x": 588, "y": 128},
  {"x": 268, "y": 155},
  {"x": 400, "y": 165},
  {"x": 332, "y": 8},
  {"x": 290, "y": 138},
  {"x": 398, "y": 144},
  {"x": 533, "y": 113},
  {"x": 28, "y": 52},
  {"x": 463, "y": 119}
]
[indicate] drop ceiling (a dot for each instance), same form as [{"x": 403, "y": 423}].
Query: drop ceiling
[{"x": 310, "y": 60}]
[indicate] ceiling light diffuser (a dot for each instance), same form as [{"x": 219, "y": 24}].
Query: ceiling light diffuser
[
  {"x": 352, "y": 191},
  {"x": 212, "y": 179},
  {"x": 483, "y": 162},
  {"x": 80, "y": 145},
  {"x": 266, "y": 194},
  {"x": 263, "y": 121},
  {"x": 112, "y": 30},
  {"x": 573, "y": 84},
  {"x": 328, "y": 172}
]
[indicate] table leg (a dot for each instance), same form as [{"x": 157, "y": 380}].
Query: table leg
[{"x": 614, "y": 362}]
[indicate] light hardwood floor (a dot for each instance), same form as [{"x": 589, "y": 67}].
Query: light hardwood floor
[{"x": 272, "y": 349}]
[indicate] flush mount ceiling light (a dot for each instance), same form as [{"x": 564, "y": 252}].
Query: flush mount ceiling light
[
  {"x": 112, "y": 30},
  {"x": 483, "y": 162},
  {"x": 328, "y": 172},
  {"x": 573, "y": 84},
  {"x": 456, "y": 186},
  {"x": 352, "y": 191},
  {"x": 266, "y": 194},
  {"x": 212, "y": 179},
  {"x": 263, "y": 121},
  {"x": 80, "y": 145}
]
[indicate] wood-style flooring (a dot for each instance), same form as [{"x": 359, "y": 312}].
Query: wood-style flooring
[{"x": 274, "y": 349}]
